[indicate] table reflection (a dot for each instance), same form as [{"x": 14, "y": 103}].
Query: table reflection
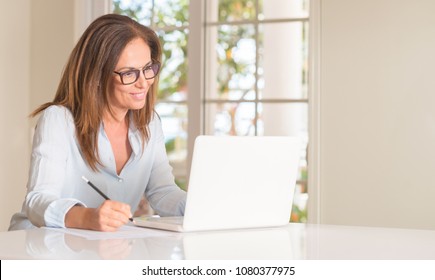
[
  {"x": 295, "y": 241},
  {"x": 270, "y": 243}
]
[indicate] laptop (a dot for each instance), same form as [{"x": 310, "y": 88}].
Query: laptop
[{"x": 237, "y": 182}]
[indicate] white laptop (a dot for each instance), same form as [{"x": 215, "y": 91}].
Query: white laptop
[{"x": 237, "y": 182}]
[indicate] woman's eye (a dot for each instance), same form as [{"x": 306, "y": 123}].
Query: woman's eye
[{"x": 129, "y": 74}]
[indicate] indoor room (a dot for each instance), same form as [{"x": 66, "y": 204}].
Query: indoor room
[{"x": 352, "y": 80}]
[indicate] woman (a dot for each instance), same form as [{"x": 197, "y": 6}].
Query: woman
[{"x": 101, "y": 125}]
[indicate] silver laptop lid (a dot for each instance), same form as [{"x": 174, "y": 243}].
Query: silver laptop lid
[{"x": 241, "y": 182}]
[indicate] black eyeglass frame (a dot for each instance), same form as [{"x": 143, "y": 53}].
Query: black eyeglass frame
[{"x": 137, "y": 72}]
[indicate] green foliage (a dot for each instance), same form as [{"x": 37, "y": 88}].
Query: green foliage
[
  {"x": 132, "y": 10},
  {"x": 170, "y": 145},
  {"x": 298, "y": 215},
  {"x": 235, "y": 10},
  {"x": 181, "y": 182},
  {"x": 228, "y": 39},
  {"x": 174, "y": 53}
]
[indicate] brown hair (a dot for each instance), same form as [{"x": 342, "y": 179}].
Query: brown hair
[{"x": 85, "y": 84}]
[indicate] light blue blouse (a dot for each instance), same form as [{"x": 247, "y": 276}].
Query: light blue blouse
[{"x": 57, "y": 166}]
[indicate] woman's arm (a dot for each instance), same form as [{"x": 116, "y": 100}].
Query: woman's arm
[
  {"x": 165, "y": 197},
  {"x": 44, "y": 204}
]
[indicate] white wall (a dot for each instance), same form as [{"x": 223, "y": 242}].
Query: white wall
[
  {"x": 376, "y": 122},
  {"x": 37, "y": 37},
  {"x": 52, "y": 39},
  {"x": 14, "y": 105}
]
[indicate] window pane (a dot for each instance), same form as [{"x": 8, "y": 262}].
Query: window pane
[
  {"x": 137, "y": 9},
  {"x": 174, "y": 123},
  {"x": 231, "y": 62},
  {"x": 274, "y": 9},
  {"x": 230, "y": 119},
  {"x": 173, "y": 77},
  {"x": 289, "y": 119},
  {"x": 283, "y": 67},
  {"x": 171, "y": 13},
  {"x": 230, "y": 10}
]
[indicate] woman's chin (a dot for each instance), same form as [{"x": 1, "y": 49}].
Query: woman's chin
[{"x": 137, "y": 106}]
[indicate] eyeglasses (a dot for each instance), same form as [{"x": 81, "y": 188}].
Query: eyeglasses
[{"x": 131, "y": 76}]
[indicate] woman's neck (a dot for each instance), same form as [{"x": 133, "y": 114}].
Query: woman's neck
[{"x": 115, "y": 118}]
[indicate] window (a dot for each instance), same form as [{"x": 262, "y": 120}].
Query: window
[{"x": 255, "y": 75}]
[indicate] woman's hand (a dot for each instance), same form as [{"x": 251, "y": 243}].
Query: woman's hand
[{"x": 108, "y": 217}]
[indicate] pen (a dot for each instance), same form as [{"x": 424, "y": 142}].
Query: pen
[{"x": 98, "y": 191}]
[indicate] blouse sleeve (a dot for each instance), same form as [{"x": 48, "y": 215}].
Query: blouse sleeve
[
  {"x": 165, "y": 197},
  {"x": 44, "y": 205}
]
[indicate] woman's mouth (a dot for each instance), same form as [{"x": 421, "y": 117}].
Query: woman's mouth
[{"x": 138, "y": 95}]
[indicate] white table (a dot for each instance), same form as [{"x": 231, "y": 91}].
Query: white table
[{"x": 295, "y": 241}]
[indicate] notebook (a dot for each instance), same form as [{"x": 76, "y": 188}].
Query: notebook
[{"x": 237, "y": 182}]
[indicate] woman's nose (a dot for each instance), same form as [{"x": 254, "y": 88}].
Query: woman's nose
[{"x": 142, "y": 82}]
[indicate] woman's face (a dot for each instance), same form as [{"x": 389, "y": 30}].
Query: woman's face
[{"x": 135, "y": 56}]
